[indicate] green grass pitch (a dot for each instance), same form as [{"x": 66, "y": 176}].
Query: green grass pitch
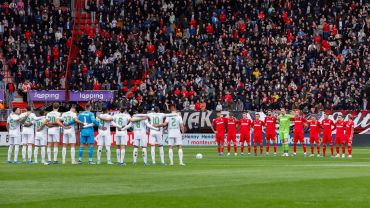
[{"x": 210, "y": 182}]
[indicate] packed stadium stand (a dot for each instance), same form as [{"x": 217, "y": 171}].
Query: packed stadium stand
[{"x": 198, "y": 54}]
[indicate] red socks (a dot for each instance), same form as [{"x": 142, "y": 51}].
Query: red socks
[
  {"x": 331, "y": 149},
  {"x": 228, "y": 148},
  {"x": 312, "y": 149},
  {"x": 304, "y": 148},
  {"x": 350, "y": 150},
  {"x": 235, "y": 148},
  {"x": 249, "y": 148},
  {"x": 324, "y": 149},
  {"x": 261, "y": 149},
  {"x": 274, "y": 147},
  {"x": 255, "y": 149},
  {"x": 267, "y": 146},
  {"x": 343, "y": 149},
  {"x": 337, "y": 149},
  {"x": 318, "y": 149},
  {"x": 295, "y": 147}
]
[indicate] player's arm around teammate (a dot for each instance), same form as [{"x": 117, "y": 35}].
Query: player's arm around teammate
[
  {"x": 270, "y": 122},
  {"x": 176, "y": 131},
  {"x": 218, "y": 127}
]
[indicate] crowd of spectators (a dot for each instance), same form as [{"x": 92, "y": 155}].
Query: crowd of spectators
[
  {"x": 35, "y": 36},
  {"x": 203, "y": 54}
]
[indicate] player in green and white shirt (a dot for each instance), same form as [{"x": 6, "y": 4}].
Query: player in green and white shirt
[
  {"x": 119, "y": 120},
  {"x": 28, "y": 134},
  {"x": 54, "y": 131},
  {"x": 13, "y": 125},
  {"x": 156, "y": 137},
  {"x": 104, "y": 136},
  {"x": 176, "y": 129},
  {"x": 69, "y": 135},
  {"x": 41, "y": 136},
  {"x": 139, "y": 123}
]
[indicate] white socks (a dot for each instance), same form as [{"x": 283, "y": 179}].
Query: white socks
[
  {"x": 122, "y": 159},
  {"x": 118, "y": 154},
  {"x": 100, "y": 148},
  {"x": 108, "y": 153},
  {"x": 29, "y": 150},
  {"x": 49, "y": 153},
  {"x": 24, "y": 153},
  {"x": 43, "y": 154},
  {"x": 170, "y": 155},
  {"x": 135, "y": 154},
  {"x": 180, "y": 156},
  {"x": 152, "y": 153},
  {"x": 64, "y": 153},
  {"x": 56, "y": 153},
  {"x": 161, "y": 154},
  {"x": 145, "y": 155},
  {"x": 35, "y": 153},
  {"x": 10, "y": 151},
  {"x": 16, "y": 150},
  {"x": 73, "y": 154}
]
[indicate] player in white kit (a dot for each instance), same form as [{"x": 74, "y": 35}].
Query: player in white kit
[
  {"x": 176, "y": 129},
  {"x": 41, "y": 137},
  {"x": 119, "y": 120},
  {"x": 28, "y": 134},
  {"x": 156, "y": 137},
  {"x": 13, "y": 125},
  {"x": 140, "y": 123},
  {"x": 104, "y": 136},
  {"x": 54, "y": 132},
  {"x": 69, "y": 134}
]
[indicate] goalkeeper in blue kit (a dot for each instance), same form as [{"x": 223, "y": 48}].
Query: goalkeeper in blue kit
[{"x": 87, "y": 119}]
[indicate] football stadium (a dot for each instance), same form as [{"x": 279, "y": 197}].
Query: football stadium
[{"x": 184, "y": 103}]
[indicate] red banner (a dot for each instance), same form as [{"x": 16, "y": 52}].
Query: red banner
[{"x": 360, "y": 118}]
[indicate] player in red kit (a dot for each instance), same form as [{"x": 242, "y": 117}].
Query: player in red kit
[
  {"x": 218, "y": 126},
  {"x": 270, "y": 122},
  {"x": 245, "y": 133},
  {"x": 314, "y": 125},
  {"x": 231, "y": 133},
  {"x": 328, "y": 126},
  {"x": 258, "y": 134},
  {"x": 299, "y": 123},
  {"x": 350, "y": 125},
  {"x": 339, "y": 136}
]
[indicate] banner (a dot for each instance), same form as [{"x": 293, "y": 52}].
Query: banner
[
  {"x": 360, "y": 118},
  {"x": 47, "y": 96},
  {"x": 201, "y": 122},
  {"x": 88, "y": 95}
]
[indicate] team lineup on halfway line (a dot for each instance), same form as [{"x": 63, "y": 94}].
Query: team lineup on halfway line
[
  {"x": 343, "y": 138},
  {"x": 44, "y": 131}
]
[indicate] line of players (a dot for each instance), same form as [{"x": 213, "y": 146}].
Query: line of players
[
  {"x": 343, "y": 138},
  {"x": 44, "y": 131}
]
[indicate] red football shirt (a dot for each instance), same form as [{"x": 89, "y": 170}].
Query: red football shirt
[
  {"x": 327, "y": 124},
  {"x": 257, "y": 127},
  {"x": 270, "y": 124},
  {"x": 231, "y": 125},
  {"x": 349, "y": 126},
  {"x": 298, "y": 124},
  {"x": 245, "y": 126},
  {"x": 314, "y": 128},
  {"x": 219, "y": 123},
  {"x": 340, "y": 125}
]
